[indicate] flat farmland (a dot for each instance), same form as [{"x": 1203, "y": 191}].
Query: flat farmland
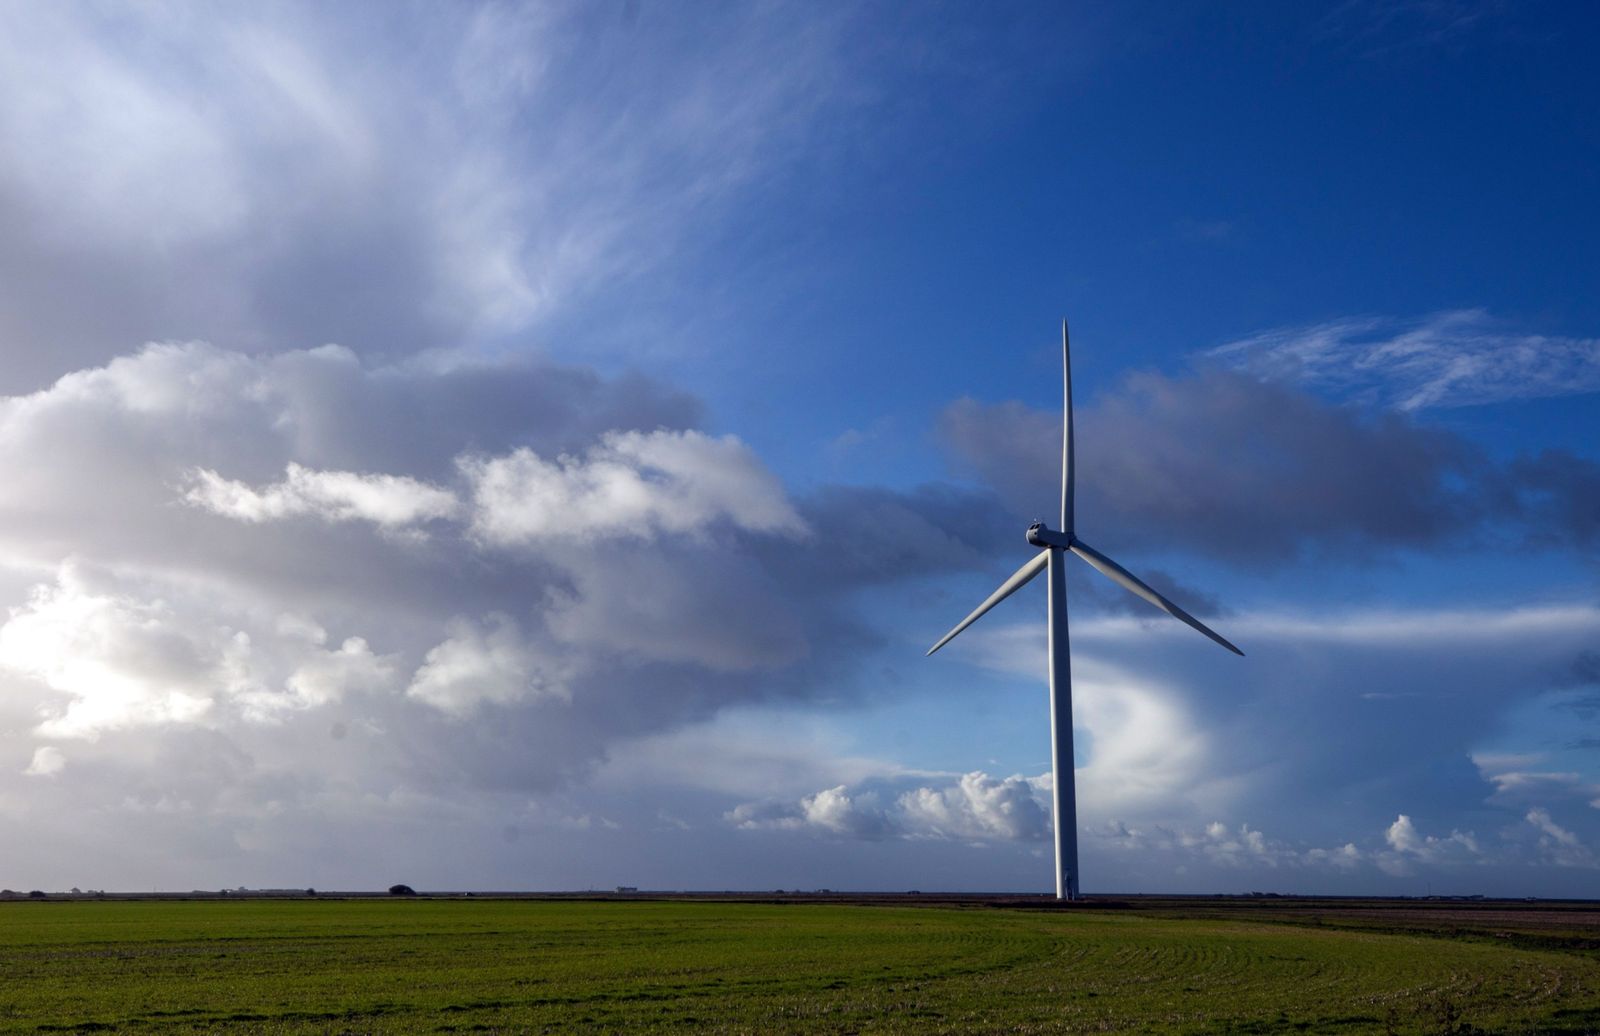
[{"x": 541, "y": 965}]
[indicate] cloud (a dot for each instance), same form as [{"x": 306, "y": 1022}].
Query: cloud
[
  {"x": 1449, "y": 359},
  {"x": 884, "y": 536},
  {"x": 1147, "y": 748},
  {"x": 702, "y": 604},
  {"x": 1559, "y": 845},
  {"x": 981, "y": 811},
  {"x": 1231, "y": 848},
  {"x": 1558, "y": 496},
  {"x": 465, "y": 173},
  {"x": 478, "y": 665},
  {"x": 1400, "y": 851},
  {"x": 1345, "y": 857},
  {"x": 832, "y": 811},
  {"x": 388, "y": 501},
  {"x": 1172, "y": 733},
  {"x": 1379, "y": 30},
  {"x": 1408, "y": 847},
  {"x": 1521, "y": 785},
  {"x": 1441, "y": 625},
  {"x": 631, "y": 485},
  {"x": 219, "y": 589},
  {"x": 119, "y": 660},
  {"x": 314, "y": 654},
  {"x": 779, "y": 755},
  {"x": 323, "y": 677},
  {"x": 1218, "y": 845},
  {"x": 48, "y": 760},
  {"x": 1179, "y": 463},
  {"x": 980, "y": 807},
  {"x": 975, "y": 808}
]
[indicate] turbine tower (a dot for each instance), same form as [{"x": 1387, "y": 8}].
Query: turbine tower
[{"x": 1053, "y": 548}]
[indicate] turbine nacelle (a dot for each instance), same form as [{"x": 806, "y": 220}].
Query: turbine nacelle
[{"x": 1041, "y": 535}]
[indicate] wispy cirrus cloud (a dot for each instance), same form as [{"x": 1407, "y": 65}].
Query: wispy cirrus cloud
[
  {"x": 1377, "y": 29},
  {"x": 1454, "y": 358},
  {"x": 1557, "y": 844},
  {"x": 465, "y": 172},
  {"x": 277, "y": 178}
]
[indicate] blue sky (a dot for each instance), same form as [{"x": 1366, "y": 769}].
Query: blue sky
[{"x": 532, "y": 446}]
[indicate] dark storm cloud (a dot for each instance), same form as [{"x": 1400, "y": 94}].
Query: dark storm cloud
[
  {"x": 1259, "y": 472},
  {"x": 420, "y": 415},
  {"x": 872, "y": 535},
  {"x": 1226, "y": 464},
  {"x": 1559, "y": 496}
]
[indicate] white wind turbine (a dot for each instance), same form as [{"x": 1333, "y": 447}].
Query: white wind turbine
[{"x": 1053, "y": 546}]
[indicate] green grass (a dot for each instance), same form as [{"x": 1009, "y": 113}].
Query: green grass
[{"x": 535, "y": 966}]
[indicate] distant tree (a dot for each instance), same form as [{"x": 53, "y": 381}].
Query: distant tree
[
  {"x": 402, "y": 890},
  {"x": 76, "y": 891},
  {"x": 36, "y": 894},
  {"x": 311, "y": 892}
]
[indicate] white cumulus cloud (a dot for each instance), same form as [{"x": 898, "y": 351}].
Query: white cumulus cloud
[
  {"x": 979, "y": 807},
  {"x": 389, "y": 501},
  {"x": 632, "y": 485},
  {"x": 487, "y": 663},
  {"x": 1409, "y": 846},
  {"x": 975, "y": 808}
]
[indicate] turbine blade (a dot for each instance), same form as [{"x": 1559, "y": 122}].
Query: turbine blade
[
  {"x": 1133, "y": 584},
  {"x": 1068, "y": 474},
  {"x": 1018, "y": 579}
]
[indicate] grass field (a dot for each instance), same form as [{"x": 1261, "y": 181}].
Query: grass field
[{"x": 535, "y": 966}]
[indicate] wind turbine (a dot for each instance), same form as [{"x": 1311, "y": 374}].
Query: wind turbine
[{"x": 1053, "y": 547}]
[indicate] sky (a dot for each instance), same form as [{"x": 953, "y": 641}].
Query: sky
[{"x": 532, "y": 446}]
